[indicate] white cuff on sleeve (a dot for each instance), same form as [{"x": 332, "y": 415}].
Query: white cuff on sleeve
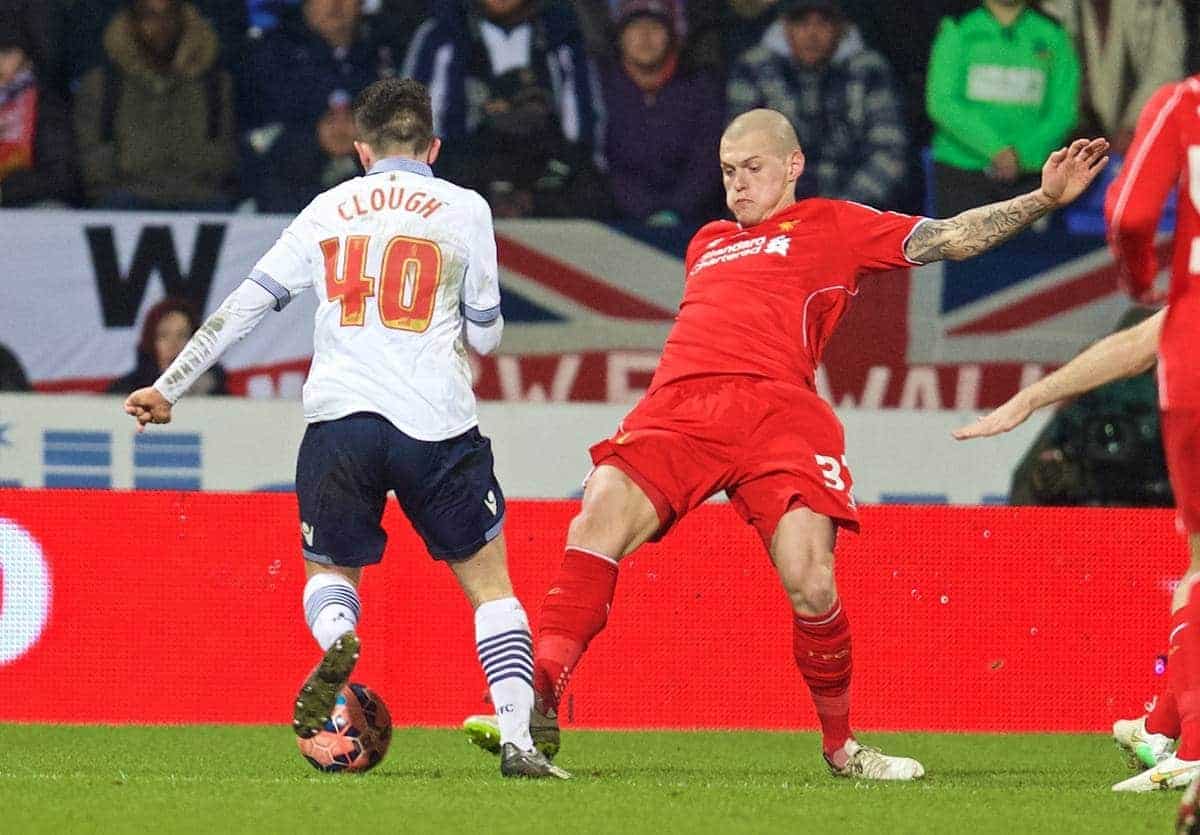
[{"x": 485, "y": 338}]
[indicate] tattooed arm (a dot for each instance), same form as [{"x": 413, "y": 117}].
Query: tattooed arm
[
  {"x": 1066, "y": 174},
  {"x": 241, "y": 311},
  {"x": 975, "y": 230}
]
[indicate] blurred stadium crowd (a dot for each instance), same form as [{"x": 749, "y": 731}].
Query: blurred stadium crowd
[{"x": 567, "y": 108}]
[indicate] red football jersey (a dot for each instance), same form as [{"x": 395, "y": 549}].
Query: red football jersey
[
  {"x": 1165, "y": 155},
  {"x": 764, "y": 301}
]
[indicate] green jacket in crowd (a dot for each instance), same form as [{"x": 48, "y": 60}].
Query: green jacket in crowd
[{"x": 991, "y": 88}]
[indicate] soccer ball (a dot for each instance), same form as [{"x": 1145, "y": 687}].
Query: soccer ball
[{"x": 356, "y": 736}]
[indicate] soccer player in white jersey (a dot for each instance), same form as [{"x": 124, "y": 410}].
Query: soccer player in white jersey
[{"x": 404, "y": 268}]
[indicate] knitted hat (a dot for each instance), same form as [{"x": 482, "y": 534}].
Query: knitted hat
[{"x": 663, "y": 10}]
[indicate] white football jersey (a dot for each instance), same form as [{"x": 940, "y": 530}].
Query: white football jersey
[{"x": 397, "y": 258}]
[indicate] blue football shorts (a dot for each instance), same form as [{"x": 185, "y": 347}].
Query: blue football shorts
[{"x": 447, "y": 489}]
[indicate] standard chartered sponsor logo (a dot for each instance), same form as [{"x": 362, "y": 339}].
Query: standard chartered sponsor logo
[
  {"x": 26, "y": 598},
  {"x": 730, "y": 252}
]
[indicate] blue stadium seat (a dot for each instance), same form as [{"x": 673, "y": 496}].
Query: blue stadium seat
[
  {"x": 927, "y": 171},
  {"x": 1086, "y": 216}
]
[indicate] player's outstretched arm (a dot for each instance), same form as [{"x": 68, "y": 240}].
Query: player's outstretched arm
[
  {"x": 1122, "y": 354},
  {"x": 1066, "y": 174},
  {"x": 241, "y": 311}
]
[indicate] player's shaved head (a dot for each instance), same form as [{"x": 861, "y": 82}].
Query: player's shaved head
[
  {"x": 777, "y": 132},
  {"x": 761, "y": 161}
]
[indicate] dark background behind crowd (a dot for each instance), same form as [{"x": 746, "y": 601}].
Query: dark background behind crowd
[{"x": 558, "y": 108}]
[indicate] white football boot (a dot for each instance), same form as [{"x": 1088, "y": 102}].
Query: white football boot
[
  {"x": 1141, "y": 748},
  {"x": 866, "y": 763},
  {"x": 1171, "y": 773}
]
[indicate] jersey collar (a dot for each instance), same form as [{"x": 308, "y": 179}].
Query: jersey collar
[
  {"x": 781, "y": 215},
  {"x": 411, "y": 166}
]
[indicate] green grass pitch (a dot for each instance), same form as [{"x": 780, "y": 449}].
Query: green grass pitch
[{"x": 66, "y": 779}]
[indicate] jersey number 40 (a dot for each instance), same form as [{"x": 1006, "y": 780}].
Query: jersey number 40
[{"x": 408, "y": 281}]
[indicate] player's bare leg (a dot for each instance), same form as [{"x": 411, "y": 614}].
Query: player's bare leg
[
  {"x": 1177, "y": 770},
  {"x": 484, "y": 575},
  {"x": 331, "y": 608},
  {"x": 802, "y": 551},
  {"x": 505, "y": 649},
  {"x": 616, "y": 517}
]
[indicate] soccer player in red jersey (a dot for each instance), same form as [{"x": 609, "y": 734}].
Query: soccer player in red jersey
[
  {"x": 1165, "y": 156},
  {"x": 1148, "y": 741},
  {"x": 732, "y": 407}
]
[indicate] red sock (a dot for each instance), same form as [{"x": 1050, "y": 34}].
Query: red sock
[
  {"x": 822, "y": 648},
  {"x": 574, "y": 612},
  {"x": 1164, "y": 717},
  {"x": 1187, "y": 684}
]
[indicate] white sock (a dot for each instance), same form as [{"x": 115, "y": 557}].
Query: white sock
[
  {"x": 331, "y": 607},
  {"x": 506, "y": 654}
]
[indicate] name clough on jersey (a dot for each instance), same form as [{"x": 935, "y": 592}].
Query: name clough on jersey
[{"x": 392, "y": 198}]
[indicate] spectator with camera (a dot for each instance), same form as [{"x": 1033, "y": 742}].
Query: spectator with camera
[
  {"x": 296, "y": 91},
  {"x": 813, "y": 67},
  {"x": 513, "y": 96},
  {"x": 1102, "y": 449},
  {"x": 155, "y": 124},
  {"x": 1127, "y": 49},
  {"x": 648, "y": 93},
  {"x": 1003, "y": 93},
  {"x": 36, "y": 151}
]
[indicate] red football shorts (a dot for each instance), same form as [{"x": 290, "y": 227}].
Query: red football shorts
[
  {"x": 1181, "y": 440},
  {"x": 770, "y": 446}
]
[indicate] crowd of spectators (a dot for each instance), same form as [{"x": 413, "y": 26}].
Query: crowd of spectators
[{"x": 566, "y": 108}]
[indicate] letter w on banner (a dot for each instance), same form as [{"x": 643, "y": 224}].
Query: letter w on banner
[{"x": 587, "y": 309}]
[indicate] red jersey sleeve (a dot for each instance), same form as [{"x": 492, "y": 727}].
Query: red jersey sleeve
[
  {"x": 875, "y": 239},
  {"x": 1135, "y": 200}
]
